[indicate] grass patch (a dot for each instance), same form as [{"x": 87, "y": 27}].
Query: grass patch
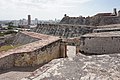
[
  {"x": 8, "y": 32},
  {"x": 1, "y": 34},
  {"x": 7, "y": 47}
]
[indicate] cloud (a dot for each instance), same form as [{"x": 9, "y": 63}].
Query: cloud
[
  {"x": 41, "y": 3},
  {"x": 41, "y": 8}
]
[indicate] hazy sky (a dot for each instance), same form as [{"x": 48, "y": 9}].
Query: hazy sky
[{"x": 51, "y": 9}]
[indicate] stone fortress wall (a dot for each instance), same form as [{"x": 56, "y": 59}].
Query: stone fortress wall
[
  {"x": 63, "y": 30},
  {"x": 92, "y": 43},
  {"x": 107, "y": 28},
  {"x": 100, "y": 43},
  {"x": 104, "y": 39},
  {"x": 104, "y": 20},
  {"x": 34, "y": 53},
  {"x": 68, "y": 32},
  {"x": 22, "y": 39},
  {"x": 96, "y": 20},
  {"x": 37, "y": 48}
]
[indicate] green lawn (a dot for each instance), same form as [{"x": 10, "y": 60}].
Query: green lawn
[
  {"x": 7, "y": 47},
  {"x": 1, "y": 34}
]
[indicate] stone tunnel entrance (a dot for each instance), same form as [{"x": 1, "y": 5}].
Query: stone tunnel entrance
[{"x": 71, "y": 51}]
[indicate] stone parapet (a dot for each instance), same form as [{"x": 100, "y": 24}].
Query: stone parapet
[
  {"x": 100, "y": 43},
  {"x": 32, "y": 54}
]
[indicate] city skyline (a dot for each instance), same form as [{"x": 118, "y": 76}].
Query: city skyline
[{"x": 51, "y": 9}]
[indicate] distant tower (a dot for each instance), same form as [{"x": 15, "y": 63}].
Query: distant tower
[
  {"x": 29, "y": 19},
  {"x": 115, "y": 11},
  {"x": 119, "y": 13},
  {"x": 36, "y": 21}
]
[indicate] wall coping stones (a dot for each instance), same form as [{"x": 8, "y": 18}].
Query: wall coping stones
[
  {"x": 109, "y": 26},
  {"x": 67, "y": 25},
  {"x": 44, "y": 41},
  {"x": 116, "y": 28},
  {"x": 102, "y": 34}
]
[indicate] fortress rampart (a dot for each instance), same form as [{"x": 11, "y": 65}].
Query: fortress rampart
[
  {"x": 63, "y": 31},
  {"x": 96, "y": 20},
  {"x": 23, "y": 38},
  {"x": 100, "y": 43},
  {"x": 34, "y": 53}
]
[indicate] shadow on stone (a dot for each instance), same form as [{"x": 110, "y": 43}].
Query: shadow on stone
[
  {"x": 21, "y": 69},
  {"x": 89, "y": 54}
]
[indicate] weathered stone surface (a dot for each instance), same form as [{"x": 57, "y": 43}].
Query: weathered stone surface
[
  {"x": 106, "y": 30},
  {"x": 6, "y": 62},
  {"x": 100, "y": 43},
  {"x": 81, "y": 67},
  {"x": 64, "y": 31},
  {"x": 23, "y": 38},
  {"x": 104, "y": 20},
  {"x": 72, "y": 41},
  {"x": 96, "y": 20},
  {"x": 109, "y": 26},
  {"x": 32, "y": 54},
  {"x": 73, "y": 20},
  {"x": 38, "y": 56}
]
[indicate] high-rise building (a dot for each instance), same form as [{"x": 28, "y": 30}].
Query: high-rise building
[
  {"x": 36, "y": 21},
  {"x": 29, "y": 19}
]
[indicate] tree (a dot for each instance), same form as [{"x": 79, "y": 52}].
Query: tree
[{"x": 10, "y": 25}]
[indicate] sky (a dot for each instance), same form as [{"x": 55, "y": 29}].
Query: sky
[{"x": 51, "y": 9}]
